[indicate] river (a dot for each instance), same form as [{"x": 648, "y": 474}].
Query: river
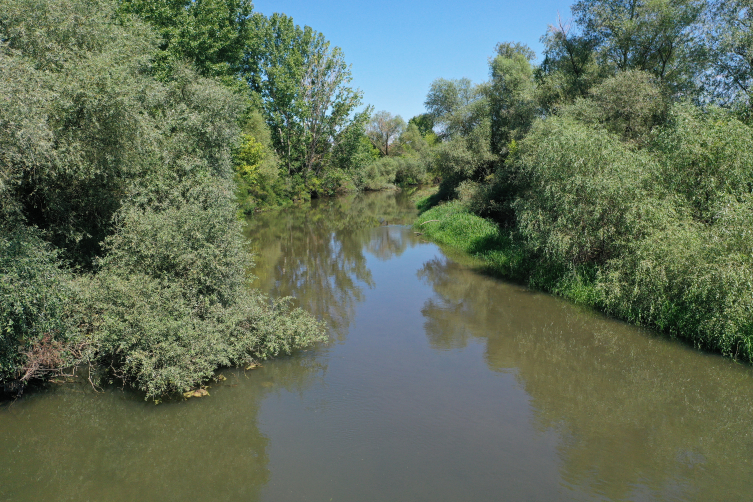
[{"x": 439, "y": 384}]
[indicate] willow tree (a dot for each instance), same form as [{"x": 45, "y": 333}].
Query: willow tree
[
  {"x": 209, "y": 33},
  {"x": 457, "y": 107},
  {"x": 303, "y": 83},
  {"x": 383, "y": 129},
  {"x": 656, "y": 36},
  {"x": 511, "y": 96},
  {"x": 730, "y": 37}
]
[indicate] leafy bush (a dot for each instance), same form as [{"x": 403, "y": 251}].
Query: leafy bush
[
  {"x": 34, "y": 293},
  {"x": 604, "y": 224},
  {"x": 376, "y": 175},
  {"x": 630, "y": 104},
  {"x": 462, "y": 159},
  {"x": 706, "y": 158},
  {"x": 683, "y": 280},
  {"x": 131, "y": 179},
  {"x": 412, "y": 170},
  {"x": 586, "y": 195}
]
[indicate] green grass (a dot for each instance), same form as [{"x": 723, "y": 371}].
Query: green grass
[
  {"x": 501, "y": 252},
  {"x": 451, "y": 225}
]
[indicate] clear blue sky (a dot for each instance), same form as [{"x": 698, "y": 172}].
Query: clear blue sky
[{"x": 397, "y": 49}]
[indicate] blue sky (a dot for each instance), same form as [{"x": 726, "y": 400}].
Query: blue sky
[{"x": 397, "y": 49}]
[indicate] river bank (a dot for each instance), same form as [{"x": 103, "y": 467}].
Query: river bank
[
  {"x": 438, "y": 383},
  {"x": 674, "y": 309}
]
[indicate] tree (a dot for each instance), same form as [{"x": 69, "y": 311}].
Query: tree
[
  {"x": 511, "y": 98},
  {"x": 456, "y": 106},
  {"x": 630, "y": 104},
  {"x": 424, "y": 122},
  {"x": 383, "y": 129},
  {"x": 354, "y": 149},
  {"x": 568, "y": 70},
  {"x": 730, "y": 36},
  {"x": 303, "y": 86},
  {"x": 209, "y": 33},
  {"x": 657, "y": 36},
  {"x": 412, "y": 142},
  {"x": 106, "y": 170}
]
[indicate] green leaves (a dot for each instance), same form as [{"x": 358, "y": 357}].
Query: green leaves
[
  {"x": 729, "y": 34},
  {"x": 211, "y": 33},
  {"x": 707, "y": 160},
  {"x": 34, "y": 293},
  {"x": 383, "y": 129},
  {"x": 511, "y": 95},
  {"x": 656, "y": 36},
  {"x": 303, "y": 85},
  {"x": 130, "y": 178}
]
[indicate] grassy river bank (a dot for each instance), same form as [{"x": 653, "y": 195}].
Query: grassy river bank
[{"x": 682, "y": 307}]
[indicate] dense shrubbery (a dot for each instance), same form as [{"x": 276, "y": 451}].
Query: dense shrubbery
[
  {"x": 619, "y": 191},
  {"x": 659, "y": 236},
  {"x": 34, "y": 293},
  {"x": 120, "y": 240}
]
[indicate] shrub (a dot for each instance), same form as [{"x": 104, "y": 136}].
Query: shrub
[
  {"x": 706, "y": 159},
  {"x": 412, "y": 170},
  {"x": 461, "y": 159},
  {"x": 131, "y": 179},
  {"x": 376, "y": 175},
  {"x": 683, "y": 281},
  {"x": 34, "y": 296},
  {"x": 586, "y": 194}
]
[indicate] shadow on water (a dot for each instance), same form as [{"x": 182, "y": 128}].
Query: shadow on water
[
  {"x": 72, "y": 443},
  {"x": 641, "y": 417},
  {"x": 316, "y": 253},
  {"x": 452, "y": 386}
]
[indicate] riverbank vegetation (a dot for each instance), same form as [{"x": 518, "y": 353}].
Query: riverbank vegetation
[
  {"x": 121, "y": 145},
  {"x": 618, "y": 172}
]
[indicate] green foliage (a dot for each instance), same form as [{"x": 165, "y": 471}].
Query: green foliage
[
  {"x": 354, "y": 148},
  {"x": 690, "y": 281},
  {"x": 729, "y": 37},
  {"x": 456, "y": 107},
  {"x": 34, "y": 293},
  {"x": 383, "y": 129},
  {"x": 211, "y": 33},
  {"x": 71, "y": 101},
  {"x": 511, "y": 95},
  {"x": 585, "y": 195},
  {"x": 452, "y": 225},
  {"x": 658, "y": 37},
  {"x": 569, "y": 68},
  {"x": 132, "y": 178},
  {"x": 377, "y": 175},
  {"x": 249, "y": 157},
  {"x": 660, "y": 236},
  {"x": 707, "y": 159},
  {"x": 256, "y": 166},
  {"x": 411, "y": 142},
  {"x": 463, "y": 159},
  {"x": 303, "y": 86},
  {"x": 606, "y": 191},
  {"x": 630, "y": 104},
  {"x": 424, "y": 123},
  {"x": 170, "y": 302}
]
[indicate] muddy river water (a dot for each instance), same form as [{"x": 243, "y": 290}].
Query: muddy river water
[{"x": 439, "y": 384}]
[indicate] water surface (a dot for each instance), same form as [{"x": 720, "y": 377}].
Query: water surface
[{"x": 439, "y": 384}]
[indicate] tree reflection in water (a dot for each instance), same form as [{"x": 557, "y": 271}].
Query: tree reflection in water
[
  {"x": 640, "y": 416},
  {"x": 316, "y": 253}
]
